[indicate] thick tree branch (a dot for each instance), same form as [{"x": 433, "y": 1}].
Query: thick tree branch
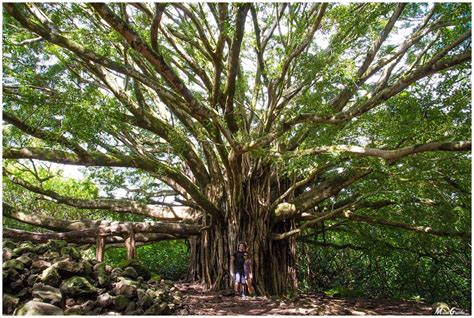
[
  {"x": 341, "y": 100},
  {"x": 159, "y": 8},
  {"x": 99, "y": 159},
  {"x": 62, "y": 225},
  {"x": 306, "y": 41},
  {"x": 45, "y": 135},
  {"x": 319, "y": 193},
  {"x": 232, "y": 66},
  {"x": 388, "y": 155},
  {"x": 112, "y": 241},
  {"x": 162, "y": 213}
]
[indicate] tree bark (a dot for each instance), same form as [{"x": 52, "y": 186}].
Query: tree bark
[{"x": 100, "y": 247}]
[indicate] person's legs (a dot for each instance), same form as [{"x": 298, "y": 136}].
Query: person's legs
[
  {"x": 248, "y": 281},
  {"x": 239, "y": 279}
]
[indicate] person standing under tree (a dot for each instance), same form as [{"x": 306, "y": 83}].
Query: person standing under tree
[
  {"x": 237, "y": 271},
  {"x": 248, "y": 274}
]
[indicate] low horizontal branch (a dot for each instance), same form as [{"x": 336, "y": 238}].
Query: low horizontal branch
[
  {"x": 113, "y": 205},
  {"x": 93, "y": 228},
  {"x": 19, "y": 235}
]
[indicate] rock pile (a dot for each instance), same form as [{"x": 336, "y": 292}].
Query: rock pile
[{"x": 53, "y": 279}]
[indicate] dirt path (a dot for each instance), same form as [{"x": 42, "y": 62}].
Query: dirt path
[{"x": 198, "y": 301}]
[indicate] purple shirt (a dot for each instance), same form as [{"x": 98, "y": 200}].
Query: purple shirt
[{"x": 247, "y": 267}]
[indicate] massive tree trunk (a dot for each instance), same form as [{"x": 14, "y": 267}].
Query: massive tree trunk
[{"x": 248, "y": 219}]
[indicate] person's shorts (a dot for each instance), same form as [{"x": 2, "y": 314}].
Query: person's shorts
[{"x": 239, "y": 278}]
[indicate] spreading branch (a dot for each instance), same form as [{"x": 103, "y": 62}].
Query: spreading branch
[
  {"x": 388, "y": 155},
  {"x": 162, "y": 213}
]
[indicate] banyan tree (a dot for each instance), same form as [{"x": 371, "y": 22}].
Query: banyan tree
[{"x": 264, "y": 123}]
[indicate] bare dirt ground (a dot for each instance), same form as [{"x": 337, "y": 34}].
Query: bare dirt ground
[{"x": 198, "y": 301}]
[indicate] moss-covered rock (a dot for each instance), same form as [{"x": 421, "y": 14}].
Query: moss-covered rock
[
  {"x": 121, "y": 302},
  {"x": 51, "y": 255},
  {"x": 78, "y": 286},
  {"x": 36, "y": 308},
  {"x": 14, "y": 264},
  {"x": 40, "y": 249},
  {"x": 53, "y": 277},
  {"x": 145, "y": 302},
  {"x": 56, "y": 245},
  {"x": 10, "y": 302},
  {"x": 130, "y": 272},
  {"x": 87, "y": 267},
  {"x": 9, "y": 244},
  {"x": 24, "y": 247},
  {"x": 50, "y": 276},
  {"x": 103, "y": 279},
  {"x": 72, "y": 252},
  {"x": 155, "y": 278},
  {"x": 67, "y": 268},
  {"x": 25, "y": 260},
  {"x": 157, "y": 309},
  {"x": 141, "y": 269}
]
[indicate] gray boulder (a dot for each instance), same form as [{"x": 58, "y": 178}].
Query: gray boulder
[
  {"x": 136, "y": 312},
  {"x": 31, "y": 280},
  {"x": 125, "y": 287},
  {"x": 25, "y": 293},
  {"x": 39, "y": 265},
  {"x": 48, "y": 294},
  {"x": 7, "y": 254},
  {"x": 36, "y": 308},
  {"x": 104, "y": 300},
  {"x": 130, "y": 308},
  {"x": 89, "y": 305},
  {"x": 141, "y": 269},
  {"x": 18, "y": 284},
  {"x": 75, "y": 311},
  {"x": 145, "y": 302}
]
